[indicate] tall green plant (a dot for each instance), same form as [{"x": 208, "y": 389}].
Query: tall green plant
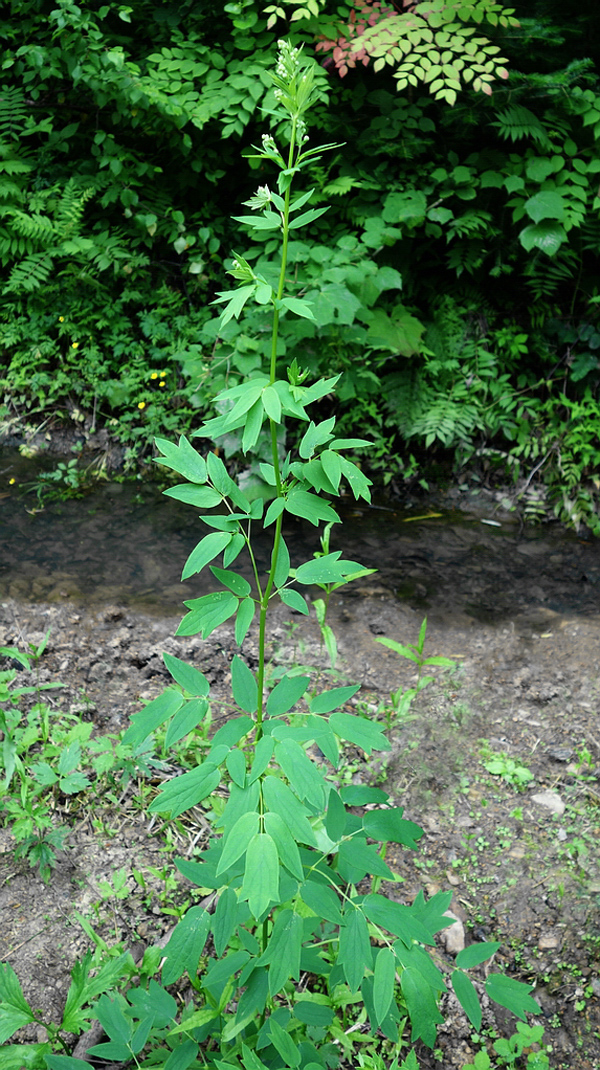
[{"x": 300, "y": 932}]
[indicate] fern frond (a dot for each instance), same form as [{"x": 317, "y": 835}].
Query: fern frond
[
  {"x": 69, "y": 209},
  {"x": 30, "y": 273},
  {"x": 518, "y": 122},
  {"x": 14, "y": 112},
  {"x": 545, "y": 276},
  {"x": 35, "y": 226}
]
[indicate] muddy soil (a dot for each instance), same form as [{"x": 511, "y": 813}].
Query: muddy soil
[{"x": 518, "y": 611}]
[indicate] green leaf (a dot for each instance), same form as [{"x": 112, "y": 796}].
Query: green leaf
[
  {"x": 298, "y": 306},
  {"x": 83, "y": 988},
  {"x": 398, "y": 648},
  {"x": 53, "y": 1062},
  {"x": 360, "y": 731},
  {"x": 244, "y": 618},
  {"x": 252, "y": 426},
  {"x": 15, "y": 1011},
  {"x": 547, "y": 204},
  {"x": 301, "y": 200},
  {"x": 383, "y": 983},
  {"x": 261, "y": 876},
  {"x": 322, "y": 900},
  {"x": 152, "y": 716},
  {"x": 399, "y": 333},
  {"x": 236, "y": 767},
  {"x": 302, "y": 774},
  {"x": 244, "y": 686},
  {"x": 397, "y": 919},
  {"x": 69, "y": 759},
  {"x": 235, "y": 547},
  {"x": 356, "y": 859},
  {"x": 186, "y": 720},
  {"x": 417, "y": 956},
  {"x": 283, "y": 1043},
  {"x": 307, "y": 217},
  {"x": 332, "y": 467},
  {"x": 186, "y": 790},
  {"x": 237, "y": 840},
  {"x": 280, "y": 799},
  {"x": 422, "y": 1006},
  {"x": 360, "y": 795},
  {"x": 232, "y": 731},
  {"x": 224, "y": 919},
  {"x": 206, "y": 550},
  {"x": 546, "y": 236},
  {"x": 287, "y": 848},
  {"x": 221, "y": 479},
  {"x": 185, "y": 945},
  {"x": 354, "y": 947},
  {"x": 236, "y": 300},
  {"x": 466, "y": 995},
  {"x": 266, "y": 221},
  {"x": 263, "y": 752},
  {"x": 306, "y": 505},
  {"x": 183, "y": 459},
  {"x": 335, "y": 818},
  {"x": 111, "y": 1015},
  {"x": 284, "y": 949},
  {"x": 219, "y": 973},
  {"x": 286, "y": 694},
  {"x": 294, "y": 600},
  {"x": 310, "y": 1012},
  {"x": 207, "y": 613},
  {"x": 389, "y": 825},
  {"x": 358, "y": 482},
  {"x": 200, "y": 497},
  {"x": 274, "y": 511},
  {"x": 182, "y": 1056},
  {"x": 189, "y": 678},
  {"x": 316, "y": 435},
  {"x": 231, "y": 580},
  {"x": 272, "y": 404},
  {"x": 332, "y": 699},
  {"x": 514, "y": 995},
  {"x": 282, "y": 570},
  {"x": 476, "y": 953}
]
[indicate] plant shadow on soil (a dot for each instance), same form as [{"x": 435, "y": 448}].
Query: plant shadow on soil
[{"x": 520, "y": 615}]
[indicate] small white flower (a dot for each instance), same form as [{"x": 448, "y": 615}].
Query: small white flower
[{"x": 261, "y": 199}]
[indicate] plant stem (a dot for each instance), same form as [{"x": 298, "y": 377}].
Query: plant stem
[{"x": 264, "y": 602}]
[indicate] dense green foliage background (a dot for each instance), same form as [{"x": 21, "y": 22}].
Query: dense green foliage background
[{"x": 454, "y": 281}]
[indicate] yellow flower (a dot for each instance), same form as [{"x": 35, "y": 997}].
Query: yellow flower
[
  {"x": 163, "y": 375},
  {"x": 12, "y": 481},
  {"x": 61, "y": 319},
  {"x": 141, "y": 404},
  {"x": 154, "y": 375},
  {"x": 162, "y": 383},
  {"x": 74, "y": 345}
]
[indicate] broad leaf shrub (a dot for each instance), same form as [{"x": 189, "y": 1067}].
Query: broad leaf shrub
[{"x": 300, "y": 931}]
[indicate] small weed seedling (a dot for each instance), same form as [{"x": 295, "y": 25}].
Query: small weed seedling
[
  {"x": 400, "y": 700},
  {"x": 510, "y": 771},
  {"x": 521, "y": 1050}
]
